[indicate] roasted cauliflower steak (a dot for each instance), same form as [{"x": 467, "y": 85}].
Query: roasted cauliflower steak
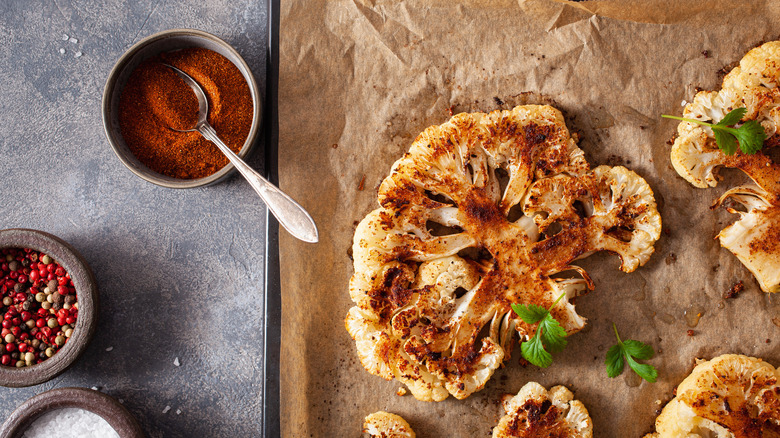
[
  {"x": 481, "y": 213},
  {"x": 536, "y": 413},
  {"x": 730, "y": 396},
  {"x": 753, "y": 85},
  {"x": 383, "y": 424}
]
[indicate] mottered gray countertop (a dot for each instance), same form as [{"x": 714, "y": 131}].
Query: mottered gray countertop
[{"x": 180, "y": 272}]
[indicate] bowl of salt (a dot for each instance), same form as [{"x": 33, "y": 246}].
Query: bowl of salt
[{"x": 71, "y": 412}]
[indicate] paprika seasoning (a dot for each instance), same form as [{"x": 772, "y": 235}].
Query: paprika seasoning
[{"x": 156, "y": 102}]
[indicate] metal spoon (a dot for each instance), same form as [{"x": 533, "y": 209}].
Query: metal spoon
[{"x": 289, "y": 213}]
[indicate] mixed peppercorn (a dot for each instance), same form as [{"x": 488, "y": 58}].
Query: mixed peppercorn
[{"x": 39, "y": 307}]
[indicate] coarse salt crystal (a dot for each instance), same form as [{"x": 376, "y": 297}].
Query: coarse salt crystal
[
  {"x": 65, "y": 37},
  {"x": 178, "y": 411},
  {"x": 73, "y": 40},
  {"x": 95, "y": 388},
  {"x": 167, "y": 408},
  {"x": 176, "y": 362},
  {"x": 78, "y": 54},
  {"x": 70, "y": 422},
  {"x": 109, "y": 348},
  {"x": 62, "y": 51}
]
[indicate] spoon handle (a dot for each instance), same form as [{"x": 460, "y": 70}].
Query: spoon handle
[{"x": 289, "y": 213}]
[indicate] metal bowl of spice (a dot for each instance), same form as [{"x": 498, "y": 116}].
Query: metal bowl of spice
[
  {"x": 146, "y": 106},
  {"x": 71, "y": 412},
  {"x": 48, "y": 306}
]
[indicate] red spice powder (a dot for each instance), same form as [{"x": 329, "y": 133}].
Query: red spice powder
[{"x": 155, "y": 101}]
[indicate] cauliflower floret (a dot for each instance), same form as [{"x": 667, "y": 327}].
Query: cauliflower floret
[
  {"x": 467, "y": 227},
  {"x": 730, "y": 396},
  {"x": 534, "y": 412},
  {"x": 383, "y": 424},
  {"x": 755, "y": 238}
]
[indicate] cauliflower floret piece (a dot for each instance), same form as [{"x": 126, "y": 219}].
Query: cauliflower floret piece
[
  {"x": 465, "y": 230},
  {"x": 534, "y": 412},
  {"x": 755, "y": 238},
  {"x": 730, "y": 396},
  {"x": 383, "y": 424}
]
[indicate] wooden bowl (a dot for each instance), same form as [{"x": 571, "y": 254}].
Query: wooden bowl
[
  {"x": 86, "y": 293},
  {"x": 96, "y": 402}
]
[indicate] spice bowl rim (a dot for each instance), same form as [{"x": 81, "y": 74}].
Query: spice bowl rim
[
  {"x": 103, "y": 405},
  {"x": 88, "y": 299},
  {"x": 112, "y": 91}
]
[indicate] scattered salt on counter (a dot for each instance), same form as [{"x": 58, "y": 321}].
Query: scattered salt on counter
[
  {"x": 70, "y": 422},
  {"x": 78, "y": 54},
  {"x": 176, "y": 362},
  {"x": 167, "y": 408},
  {"x": 178, "y": 411},
  {"x": 73, "y": 40},
  {"x": 62, "y": 51},
  {"x": 65, "y": 37}
]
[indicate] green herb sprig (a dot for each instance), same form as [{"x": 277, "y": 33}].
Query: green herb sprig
[
  {"x": 628, "y": 351},
  {"x": 549, "y": 333},
  {"x": 750, "y": 135}
]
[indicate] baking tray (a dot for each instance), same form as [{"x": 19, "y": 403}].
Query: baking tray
[{"x": 273, "y": 300}]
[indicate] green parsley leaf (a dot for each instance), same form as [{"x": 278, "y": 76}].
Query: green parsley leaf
[
  {"x": 726, "y": 142},
  {"x": 733, "y": 117},
  {"x": 530, "y": 314},
  {"x": 750, "y": 135},
  {"x": 614, "y": 361},
  {"x": 553, "y": 335},
  {"x": 645, "y": 371},
  {"x": 549, "y": 333},
  {"x": 638, "y": 350},
  {"x": 533, "y": 351},
  {"x": 628, "y": 351}
]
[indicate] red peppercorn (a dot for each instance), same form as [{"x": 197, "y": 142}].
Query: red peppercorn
[
  {"x": 20, "y": 297},
  {"x": 61, "y": 320},
  {"x": 42, "y": 312},
  {"x": 59, "y": 271},
  {"x": 7, "y": 323},
  {"x": 26, "y": 316},
  {"x": 10, "y": 347},
  {"x": 16, "y": 321},
  {"x": 16, "y": 331},
  {"x": 6, "y": 359},
  {"x": 23, "y": 347},
  {"x": 40, "y": 322},
  {"x": 50, "y": 267},
  {"x": 24, "y": 336},
  {"x": 21, "y": 278},
  {"x": 70, "y": 320},
  {"x": 50, "y": 276}
]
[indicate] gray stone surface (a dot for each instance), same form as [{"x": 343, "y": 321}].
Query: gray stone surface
[{"x": 180, "y": 272}]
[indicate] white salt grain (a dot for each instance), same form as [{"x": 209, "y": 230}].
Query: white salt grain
[
  {"x": 78, "y": 54},
  {"x": 109, "y": 348},
  {"x": 70, "y": 422},
  {"x": 178, "y": 411},
  {"x": 65, "y": 37},
  {"x": 62, "y": 51},
  {"x": 95, "y": 388},
  {"x": 167, "y": 408},
  {"x": 73, "y": 40},
  {"x": 176, "y": 362}
]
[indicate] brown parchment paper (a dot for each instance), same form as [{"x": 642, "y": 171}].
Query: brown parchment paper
[{"x": 360, "y": 79}]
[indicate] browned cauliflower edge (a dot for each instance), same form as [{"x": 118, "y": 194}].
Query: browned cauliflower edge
[
  {"x": 534, "y": 413},
  {"x": 730, "y": 396},
  {"x": 753, "y": 84},
  {"x": 383, "y": 424},
  {"x": 481, "y": 213}
]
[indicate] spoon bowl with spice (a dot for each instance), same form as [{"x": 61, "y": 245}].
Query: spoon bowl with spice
[{"x": 289, "y": 213}]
